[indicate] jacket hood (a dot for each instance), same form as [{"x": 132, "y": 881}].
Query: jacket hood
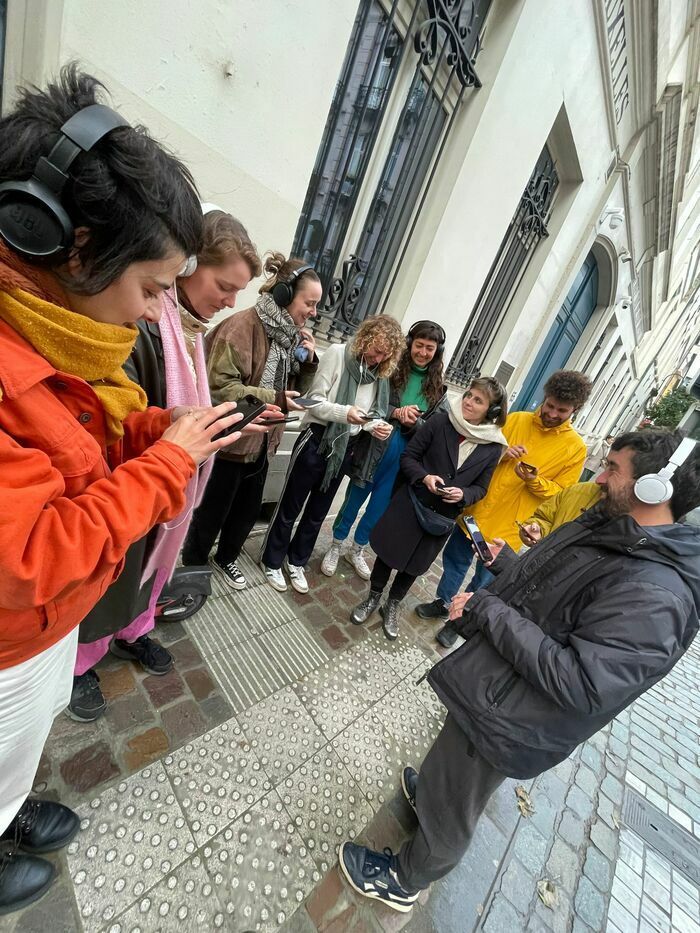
[{"x": 676, "y": 546}]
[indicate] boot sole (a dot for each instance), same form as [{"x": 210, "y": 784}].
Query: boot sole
[
  {"x": 402, "y": 908},
  {"x": 25, "y": 902}
]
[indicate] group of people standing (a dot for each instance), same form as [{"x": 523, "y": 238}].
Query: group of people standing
[{"x": 120, "y": 452}]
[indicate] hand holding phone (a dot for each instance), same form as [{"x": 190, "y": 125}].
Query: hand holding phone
[
  {"x": 478, "y": 540},
  {"x": 527, "y": 535},
  {"x": 250, "y": 407}
]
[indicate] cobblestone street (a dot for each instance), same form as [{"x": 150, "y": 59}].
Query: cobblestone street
[{"x": 216, "y": 797}]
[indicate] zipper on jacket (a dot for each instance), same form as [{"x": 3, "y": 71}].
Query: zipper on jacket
[{"x": 503, "y": 693}]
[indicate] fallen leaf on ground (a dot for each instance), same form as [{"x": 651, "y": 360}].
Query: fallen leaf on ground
[
  {"x": 547, "y": 893},
  {"x": 525, "y": 804}
]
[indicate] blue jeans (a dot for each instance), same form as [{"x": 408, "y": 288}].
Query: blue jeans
[
  {"x": 379, "y": 492},
  {"x": 457, "y": 556}
]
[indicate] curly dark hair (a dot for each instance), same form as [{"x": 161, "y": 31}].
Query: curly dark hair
[
  {"x": 653, "y": 448},
  {"x": 433, "y": 385},
  {"x": 569, "y": 387},
  {"x": 137, "y": 200}
]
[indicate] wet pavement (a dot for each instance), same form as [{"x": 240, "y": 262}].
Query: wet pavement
[{"x": 216, "y": 797}]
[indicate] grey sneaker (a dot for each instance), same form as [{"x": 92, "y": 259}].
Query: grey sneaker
[
  {"x": 390, "y": 614},
  {"x": 364, "y": 610},
  {"x": 356, "y": 558},
  {"x": 329, "y": 564}
]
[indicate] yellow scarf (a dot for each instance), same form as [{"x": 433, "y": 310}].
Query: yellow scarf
[{"x": 77, "y": 345}]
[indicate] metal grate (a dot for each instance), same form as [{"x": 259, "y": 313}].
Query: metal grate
[{"x": 661, "y": 833}]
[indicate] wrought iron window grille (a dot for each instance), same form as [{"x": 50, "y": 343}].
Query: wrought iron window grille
[
  {"x": 444, "y": 35},
  {"x": 525, "y": 231}
]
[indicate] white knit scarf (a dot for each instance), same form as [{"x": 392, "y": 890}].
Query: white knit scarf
[{"x": 485, "y": 433}]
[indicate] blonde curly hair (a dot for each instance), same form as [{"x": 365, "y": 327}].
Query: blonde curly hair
[{"x": 382, "y": 333}]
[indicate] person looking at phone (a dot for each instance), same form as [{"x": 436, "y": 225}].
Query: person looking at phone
[
  {"x": 352, "y": 383},
  {"x": 85, "y": 468},
  {"x": 168, "y": 363},
  {"x": 416, "y": 393},
  {"x": 447, "y": 465},
  {"x": 552, "y": 657},
  {"x": 546, "y": 440},
  {"x": 268, "y": 353}
]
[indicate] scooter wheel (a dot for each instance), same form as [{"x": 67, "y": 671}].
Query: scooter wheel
[{"x": 182, "y": 608}]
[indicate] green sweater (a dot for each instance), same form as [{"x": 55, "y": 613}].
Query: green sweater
[{"x": 413, "y": 393}]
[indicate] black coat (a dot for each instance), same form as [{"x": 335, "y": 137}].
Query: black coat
[
  {"x": 397, "y": 537},
  {"x": 569, "y": 635}
]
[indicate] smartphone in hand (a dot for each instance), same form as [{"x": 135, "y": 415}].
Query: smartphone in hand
[
  {"x": 478, "y": 540},
  {"x": 440, "y": 489},
  {"x": 250, "y": 407},
  {"x": 528, "y": 467}
]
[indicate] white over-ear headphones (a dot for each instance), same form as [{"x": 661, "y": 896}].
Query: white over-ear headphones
[
  {"x": 191, "y": 262},
  {"x": 656, "y": 488}
]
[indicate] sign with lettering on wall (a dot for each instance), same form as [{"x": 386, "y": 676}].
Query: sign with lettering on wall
[{"x": 617, "y": 46}]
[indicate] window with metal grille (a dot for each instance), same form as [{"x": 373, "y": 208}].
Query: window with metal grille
[
  {"x": 422, "y": 52},
  {"x": 527, "y": 228}
]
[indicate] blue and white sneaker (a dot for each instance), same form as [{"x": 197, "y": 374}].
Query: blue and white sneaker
[
  {"x": 373, "y": 874},
  {"x": 409, "y": 783}
]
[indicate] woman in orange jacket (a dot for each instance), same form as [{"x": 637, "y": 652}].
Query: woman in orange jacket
[{"x": 96, "y": 220}]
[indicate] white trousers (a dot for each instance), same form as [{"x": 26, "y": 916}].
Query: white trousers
[{"x": 31, "y": 695}]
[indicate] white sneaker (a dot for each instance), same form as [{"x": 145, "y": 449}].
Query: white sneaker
[
  {"x": 329, "y": 565},
  {"x": 356, "y": 557},
  {"x": 297, "y": 577},
  {"x": 275, "y": 578}
]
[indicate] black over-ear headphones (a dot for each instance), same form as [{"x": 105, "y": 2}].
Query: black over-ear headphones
[
  {"x": 33, "y": 220},
  {"x": 283, "y": 292},
  {"x": 414, "y": 327},
  {"x": 495, "y": 409}
]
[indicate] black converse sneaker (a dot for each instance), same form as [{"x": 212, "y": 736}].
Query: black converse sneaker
[
  {"x": 230, "y": 573},
  {"x": 374, "y": 875}
]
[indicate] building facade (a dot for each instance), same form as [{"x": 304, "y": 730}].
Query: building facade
[{"x": 526, "y": 173}]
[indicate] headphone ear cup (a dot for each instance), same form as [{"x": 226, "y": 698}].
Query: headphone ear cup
[
  {"x": 652, "y": 489},
  {"x": 33, "y": 222},
  {"x": 282, "y": 294}
]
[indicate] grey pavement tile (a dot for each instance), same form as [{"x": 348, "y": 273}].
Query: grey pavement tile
[
  {"x": 658, "y": 892},
  {"x": 621, "y": 918},
  {"x": 518, "y": 885},
  {"x": 531, "y": 847},
  {"x": 185, "y": 900},
  {"x": 131, "y": 836},
  {"x": 325, "y": 805},
  {"x": 681, "y": 922},
  {"x": 261, "y": 868},
  {"x": 502, "y": 806},
  {"x": 372, "y": 757},
  {"x": 589, "y": 904},
  {"x": 563, "y": 866},
  {"x": 368, "y": 670},
  {"x": 656, "y": 918},
  {"x": 572, "y": 829},
  {"x": 408, "y": 721},
  {"x": 258, "y": 667},
  {"x": 216, "y": 778},
  {"x": 331, "y": 700},
  {"x": 401, "y": 655},
  {"x": 281, "y": 733},
  {"x": 501, "y": 917},
  {"x": 598, "y": 868}
]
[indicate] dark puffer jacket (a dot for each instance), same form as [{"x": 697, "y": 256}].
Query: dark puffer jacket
[{"x": 569, "y": 635}]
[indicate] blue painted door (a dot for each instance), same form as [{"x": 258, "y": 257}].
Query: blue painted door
[{"x": 564, "y": 334}]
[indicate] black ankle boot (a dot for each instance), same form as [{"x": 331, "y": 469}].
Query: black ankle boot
[
  {"x": 390, "y": 614},
  {"x": 23, "y": 880},
  {"x": 447, "y": 635},
  {"x": 364, "y": 610},
  {"x": 42, "y": 826}
]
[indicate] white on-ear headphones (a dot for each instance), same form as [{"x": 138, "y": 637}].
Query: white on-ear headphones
[
  {"x": 190, "y": 266},
  {"x": 656, "y": 488}
]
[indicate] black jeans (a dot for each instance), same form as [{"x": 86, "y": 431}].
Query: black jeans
[
  {"x": 380, "y": 577},
  {"x": 454, "y": 786},
  {"x": 302, "y": 485},
  {"x": 230, "y": 505}
]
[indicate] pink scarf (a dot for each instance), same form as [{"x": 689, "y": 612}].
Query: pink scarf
[{"x": 181, "y": 390}]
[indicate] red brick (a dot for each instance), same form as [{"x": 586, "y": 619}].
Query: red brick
[
  {"x": 89, "y": 767},
  {"x": 325, "y": 897},
  {"x": 127, "y": 712},
  {"x": 164, "y": 689},
  {"x": 334, "y": 637},
  {"x": 183, "y": 721},
  {"x": 117, "y": 682},
  {"x": 142, "y": 749},
  {"x": 200, "y": 683},
  {"x": 185, "y": 654}
]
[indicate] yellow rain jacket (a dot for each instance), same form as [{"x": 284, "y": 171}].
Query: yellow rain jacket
[
  {"x": 558, "y": 453},
  {"x": 564, "y": 507}
]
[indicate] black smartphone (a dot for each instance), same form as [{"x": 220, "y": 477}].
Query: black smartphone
[
  {"x": 250, "y": 407},
  {"x": 272, "y": 421},
  {"x": 365, "y": 417},
  {"x": 478, "y": 540},
  {"x": 307, "y": 402},
  {"x": 440, "y": 489},
  {"x": 528, "y": 467}
]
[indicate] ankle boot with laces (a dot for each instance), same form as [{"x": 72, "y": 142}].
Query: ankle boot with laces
[
  {"x": 364, "y": 610},
  {"x": 390, "y": 614}
]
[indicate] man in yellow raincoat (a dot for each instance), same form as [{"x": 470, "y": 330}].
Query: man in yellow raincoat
[{"x": 545, "y": 456}]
